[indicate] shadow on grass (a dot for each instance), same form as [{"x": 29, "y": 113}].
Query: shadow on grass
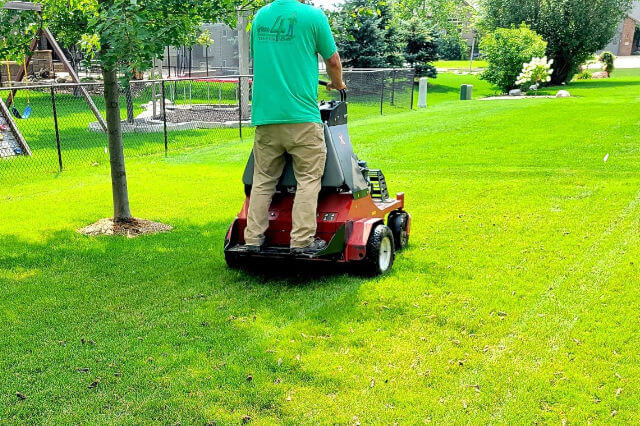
[
  {"x": 170, "y": 325},
  {"x": 279, "y": 272}
]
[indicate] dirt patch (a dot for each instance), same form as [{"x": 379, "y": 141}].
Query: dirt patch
[{"x": 133, "y": 228}]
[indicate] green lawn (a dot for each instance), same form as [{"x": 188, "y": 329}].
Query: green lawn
[{"x": 516, "y": 302}]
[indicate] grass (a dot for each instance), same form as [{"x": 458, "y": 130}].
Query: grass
[{"x": 516, "y": 302}]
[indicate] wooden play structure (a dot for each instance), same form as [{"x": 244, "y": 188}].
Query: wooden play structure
[{"x": 13, "y": 143}]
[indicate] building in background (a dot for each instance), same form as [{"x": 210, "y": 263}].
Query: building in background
[{"x": 627, "y": 39}]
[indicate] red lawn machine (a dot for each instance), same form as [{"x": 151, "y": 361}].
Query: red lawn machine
[{"x": 352, "y": 207}]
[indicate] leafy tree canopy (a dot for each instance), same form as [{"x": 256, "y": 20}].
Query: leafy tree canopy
[
  {"x": 447, "y": 15},
  {"x": 122, "y": 34}
]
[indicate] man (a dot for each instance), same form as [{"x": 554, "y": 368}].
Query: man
[{"x": 286, "y": 38}]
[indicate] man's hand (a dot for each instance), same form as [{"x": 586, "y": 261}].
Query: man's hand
[{"x": 331, "y": 86}]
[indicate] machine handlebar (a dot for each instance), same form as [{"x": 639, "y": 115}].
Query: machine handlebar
[{"x": 343, "y": 92}]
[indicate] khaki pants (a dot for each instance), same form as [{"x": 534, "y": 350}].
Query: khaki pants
[{"x": 305, "y": 143}]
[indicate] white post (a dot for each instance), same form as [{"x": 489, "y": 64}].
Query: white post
[
  {"x": 422, "y": 93},
  {"x": 243, "y": 61}
]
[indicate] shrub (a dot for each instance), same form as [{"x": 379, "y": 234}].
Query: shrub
[
  {"x": 535, "y": 73},
  {"x": 506, "y": 49},
  {"x": 584, "y": 74},
  {"x": 452, "y": 47},
  {"x": 608, "y": 59}
]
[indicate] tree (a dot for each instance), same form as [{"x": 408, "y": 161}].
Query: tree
[
  {"x": 421, "y": 48},
  {"x": 451, "y": 46},
  {"x": 125, "y": 36},
  {"x": 574, "y": 29},
  {"x": 23, "y": 25},
  {"x": 445, "y": 15},
  {"x": 360, "y": 35},
  {"x": 506, "y": 50},
  {"x": 393, "y": 37}
]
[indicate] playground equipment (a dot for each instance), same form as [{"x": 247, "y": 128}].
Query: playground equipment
[
  {"x": 352, "y": 207},
  {"x": 27, "y": 110},
  {"x": 37, "y": 7},
  {"x": 12, "y": 143}
]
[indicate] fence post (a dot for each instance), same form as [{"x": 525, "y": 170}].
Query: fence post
[
  {"x": 164, "y": 119},
  {"x": 413, "y": 86},
  {"x": 381, "y": 92},
  {"x": 169, "y": 60},
  {"x": 393, "y": 87},
  {"x": 240, "y": 105},
  {"x": 55, "y": 124}
]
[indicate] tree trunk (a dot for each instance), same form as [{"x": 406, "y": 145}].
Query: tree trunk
[
  {"x": 562, "y": 69},
  {"x": 121, "y": 212}
]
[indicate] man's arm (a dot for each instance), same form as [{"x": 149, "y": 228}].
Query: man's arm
[{"x": 334, "y": 69}]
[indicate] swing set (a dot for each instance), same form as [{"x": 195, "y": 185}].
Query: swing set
[
  {"x": 27, "y": 110},
  {"x": 26, "y": 113}
]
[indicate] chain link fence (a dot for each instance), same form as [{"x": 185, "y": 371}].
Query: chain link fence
[{"x": 47, "y": 129}]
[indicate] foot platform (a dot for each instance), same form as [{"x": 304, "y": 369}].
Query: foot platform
[{"x": 272, "y": 252}]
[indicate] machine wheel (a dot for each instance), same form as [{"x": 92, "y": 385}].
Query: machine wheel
[
  {"x": 397, "y": 222},
  {"x": 380, "y": 252}
]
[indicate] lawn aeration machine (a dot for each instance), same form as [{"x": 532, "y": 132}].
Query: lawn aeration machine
[{"x": 352, "y": 207}]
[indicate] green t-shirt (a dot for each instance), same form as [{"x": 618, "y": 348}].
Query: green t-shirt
[{"x": 286, "y": 37}]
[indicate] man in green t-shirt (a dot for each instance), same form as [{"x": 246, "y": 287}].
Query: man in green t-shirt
[{"x": 286, "y": 38}]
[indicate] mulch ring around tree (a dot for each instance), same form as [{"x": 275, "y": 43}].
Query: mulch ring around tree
[{"x": 131, "y": 229}]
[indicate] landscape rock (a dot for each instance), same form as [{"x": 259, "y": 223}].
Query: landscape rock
[
  {"x": 563, "y": 94},
  {"x": 515, "y": 92}
]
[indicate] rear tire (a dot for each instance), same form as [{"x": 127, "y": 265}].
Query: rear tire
[
  {"x": 380, "y": 252},
  {"x": 398, "y": 222}
]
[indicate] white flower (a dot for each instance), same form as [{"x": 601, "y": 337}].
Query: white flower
[{"x": 537, "y": 71}]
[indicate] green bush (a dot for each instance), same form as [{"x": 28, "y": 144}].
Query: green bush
[
  {"x": 452, "y": 47},
  {"x": 506, "y": 50},
  {"x": 584, "y": 74},
  {"x": 608, "y": 59}
]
